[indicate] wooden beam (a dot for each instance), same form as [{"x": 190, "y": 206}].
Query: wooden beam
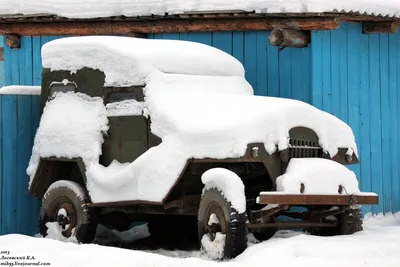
[
  {"x": 164, "y": 26},
  {"x": 289, "y": 38},
  {"x": 13, "y": 41},
  {"x": 380, "y": 27}
]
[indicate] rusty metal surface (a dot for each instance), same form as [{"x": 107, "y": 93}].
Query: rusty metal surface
[{"x": 317, "y": 199}]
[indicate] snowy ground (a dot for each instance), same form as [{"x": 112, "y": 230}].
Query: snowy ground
[{"x": 377, "y": 245}]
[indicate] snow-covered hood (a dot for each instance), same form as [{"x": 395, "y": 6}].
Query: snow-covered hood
[{"x": 212, "y": 123}]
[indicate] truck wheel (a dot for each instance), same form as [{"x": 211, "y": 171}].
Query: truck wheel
[
  {"x": 349, "y": 222},
  {"x": 63, "y": 204},
  {"x": 222, "y": 229}
]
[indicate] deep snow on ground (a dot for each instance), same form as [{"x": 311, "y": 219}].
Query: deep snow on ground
[{"x": 378, "y": 245}]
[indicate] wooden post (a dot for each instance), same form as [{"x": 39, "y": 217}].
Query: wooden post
[{"x": 289, "y": 38}]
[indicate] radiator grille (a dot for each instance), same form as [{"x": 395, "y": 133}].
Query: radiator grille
[{"x": 304, "y": 149}]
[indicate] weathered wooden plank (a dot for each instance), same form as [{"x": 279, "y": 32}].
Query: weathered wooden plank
[
  {"x": 394, "y": 136},
  {"x": 343, "y": 112},
  {"x": 9, "y": 186},
  {"x": 296, "y": 63},
  {"x": 353, "y": 73},
  {"x": 335, "y": 70},
  {"x": 285, "y": 73},
  {"x": 364, "y": 149},
  {"x": 250, "y": 59},
  {"x": 286, "y": 199},
  {"x": 273, "y": 71},
  {"x": 326, "y": 72},
  {"x": 238, "y": 46},
  {"x": 306, "y": 74},
  {"x": 316, "y": 71},
  {"x": 375, "y": 119},
  {"x": 262, "y": 83},
  {"x": 74, "y": 28},
  {"x": 222, "y": 41},
  {"x": 385, "y": 117}
]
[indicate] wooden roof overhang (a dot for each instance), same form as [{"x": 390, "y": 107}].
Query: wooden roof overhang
[{"x": 48, "y": 24}]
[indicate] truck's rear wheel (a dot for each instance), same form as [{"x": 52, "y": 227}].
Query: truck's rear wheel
[
  {"x": 63, "y": 204},
  {"x": 349, "y": 223},
  {"x": 222, "y": 229}
]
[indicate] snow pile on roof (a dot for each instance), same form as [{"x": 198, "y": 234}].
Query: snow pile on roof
[
  {"x": 319, "y": 176},
  {"x": 93, "y": 9},
  {"x": 128, "y": 61},
  {"x": 20, "y": 90},
  {"x": 199, "y": 104},
  {"x": 71, "y": 126}
]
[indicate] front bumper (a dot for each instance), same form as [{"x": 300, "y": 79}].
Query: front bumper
[{"x": 281, "y": 198}]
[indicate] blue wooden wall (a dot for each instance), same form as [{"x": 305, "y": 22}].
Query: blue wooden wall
[
  {"x": 357, "y": 78},
  {"x": 350, "y": 75},
  {"x": 19, "y": 211},
  {"x": 284, "y": 74}
]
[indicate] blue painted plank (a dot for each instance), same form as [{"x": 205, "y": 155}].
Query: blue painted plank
[
  {"x": 273, "y": 70},
  {"x": 170, "y": 36},
  {"x": 306, "y": 74},
  {"x": 250, "y": 59},
  {"x": 385, "y": 117},
  {"x": 394, "y": 136},
  {"x": 297, "y": 73},
  {"x": 285, "y": 73},
  {"x": 262, "y": 83},
  {"x": 326, "y": 71},
  {"x": 183, "y": 36},
  {"x": 9, "y": 189},
  {"x": 201, "y": 37},
  {"x": 316, "y": 65},
  {"x": 22, "y": 147},
  {"x": 354, "y": 83},
  {"x": 151, "y": 36},
  {"x": 397, "y": 188},
  {"x": 223, "y": 41},
  {"x": 336, "y": 45},
  {"x": 375, "y": 119},
  {"x": 364, "y": 150},
  {"x": 238, "y": 46},
  {"x": 343, "y": 79},
  {"x": 37, "y": 60}
]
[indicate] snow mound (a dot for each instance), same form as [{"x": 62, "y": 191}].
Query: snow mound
[
  {"x": 230, "y": 185},
  {"x": 71, "y": 126},
  {"x": 319, "y": 176},
  {"x": 95, "y": 9},
  {"x": 213, "y": 249},
  {"x": 128, "y": 61}
]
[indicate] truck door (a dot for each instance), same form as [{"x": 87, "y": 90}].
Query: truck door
[{"x": 127, "y": 135}]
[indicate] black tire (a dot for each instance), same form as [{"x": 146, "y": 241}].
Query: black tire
[
  {"x": 349, "y": 223},
  {"x": 265, "y": 234},
  {"x": 232, "y": 221},
  {"x": 67, "y": 193}
]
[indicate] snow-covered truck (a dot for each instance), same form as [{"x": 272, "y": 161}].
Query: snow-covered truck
[{"x": 170, "y": 132}]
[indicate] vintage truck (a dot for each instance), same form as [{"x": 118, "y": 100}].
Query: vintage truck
[{"x": 169, "y": 132}]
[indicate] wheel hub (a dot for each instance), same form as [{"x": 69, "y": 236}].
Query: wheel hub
[{"x": 66, "y": 218}]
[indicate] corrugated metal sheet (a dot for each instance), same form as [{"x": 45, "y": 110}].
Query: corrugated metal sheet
[
  {"x": 356, "y": 77},
  {"x": 19, "y": 211}
]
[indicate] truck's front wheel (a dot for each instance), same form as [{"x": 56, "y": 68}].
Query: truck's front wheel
[
  {"x": 222, "y": 229},
  {"x": 63, "y": 214}
]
